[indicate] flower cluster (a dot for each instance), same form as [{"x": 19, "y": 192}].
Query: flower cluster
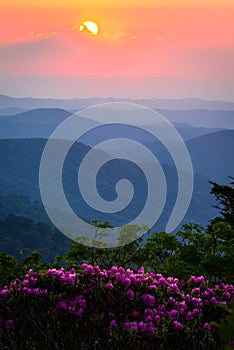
[
  {"x": 66, "y": 277},
  {"x": 8, "y": 324},
  {"x": 119, "y": 300},
  {"x": 75, "y": 306}
]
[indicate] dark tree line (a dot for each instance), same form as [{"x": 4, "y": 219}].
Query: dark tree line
[{"x": 193, "y": 250}]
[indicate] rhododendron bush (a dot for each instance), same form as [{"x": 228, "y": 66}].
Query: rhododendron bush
[{"x": 93, "y": 308}]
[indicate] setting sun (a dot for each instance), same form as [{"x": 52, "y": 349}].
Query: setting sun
[
  {"x": 158, "y": 48},
  {"x": 90, "y": 26}
]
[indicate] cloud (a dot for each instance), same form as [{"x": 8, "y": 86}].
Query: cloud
[
  {"x": 75, "y": 27},
  {"x": 29, "y": 56},
  {"x": 111, "y": 34},
  {"x": 40, "y": 36},
  {"x": 158, "y": 37},
  {"x": 116, "y": 34}
]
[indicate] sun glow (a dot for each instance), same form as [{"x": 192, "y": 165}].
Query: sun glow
[{"x": 90, "y": 26}]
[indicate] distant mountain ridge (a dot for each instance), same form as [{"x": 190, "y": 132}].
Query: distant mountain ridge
[
  {"x": 36, "y": 123},
  {"x": 201, "y": 118},
  {"x": 212, "y": 155},
  {"x": 79, "y": 103},
  {"x": 40, "y": 123},
  {"x": 11, "y": 111},
  {"x": 19, "y": 173}
]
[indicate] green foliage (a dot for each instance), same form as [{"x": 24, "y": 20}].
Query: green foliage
[
  {"x": 226, "y": 327},
  {"x": 225, "y": 197},
  {"x": 21, "y": 205},
  {"x": 18, "y": 232},
  {"x": 10, "y": 269},
  {"x": 126, "y": 255},
  {"x": 191, "y": 251}
]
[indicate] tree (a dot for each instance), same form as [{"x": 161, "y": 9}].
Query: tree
[
  {"x": 126, "y": 254},
  {"x": 225, "y": 197}
]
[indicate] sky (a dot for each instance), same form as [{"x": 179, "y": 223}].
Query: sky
[{"x": 150, "y": 48}]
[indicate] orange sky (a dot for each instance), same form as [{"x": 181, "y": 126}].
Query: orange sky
[{"x": 135, "y": 41}]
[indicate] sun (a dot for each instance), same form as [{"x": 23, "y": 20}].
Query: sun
[{"x": 90, "y": 26}]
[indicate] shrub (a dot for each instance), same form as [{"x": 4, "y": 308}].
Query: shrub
[{"x": 117, "y": 308}]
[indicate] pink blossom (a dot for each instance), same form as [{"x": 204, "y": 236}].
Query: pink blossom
[
  {"x": 141, "y": 270},
  {"x": 172, "y": 314},
  {"x": 207, "y": 326},
  {"x": 9, "y": 324},
  {"x": 189, "y": 316},
  {"x": 174, "y": 288},
  {"x": 157, "y": 318},
  {"x": 142, "y": 326},
  {"x": 177, "y": 325},
  {"x": 4, "y": 292},
  {"x": 133, "y": 325},
  {"x": 109, "y": 286},
  {"x": 148, "y": 299},
  {"x": 130, "y": 294},
  {"x": 199, "y": 279},
  {"x": 196, "y": 290},
  {"x": 113, "y": 324}
]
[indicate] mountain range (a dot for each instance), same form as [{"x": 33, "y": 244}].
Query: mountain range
[
  {"x": 19, "y": 174},
  {"x": 207, "y": 128},
  {"x": 40, "y": 123},
  {"x": 28, "y": 103}
]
